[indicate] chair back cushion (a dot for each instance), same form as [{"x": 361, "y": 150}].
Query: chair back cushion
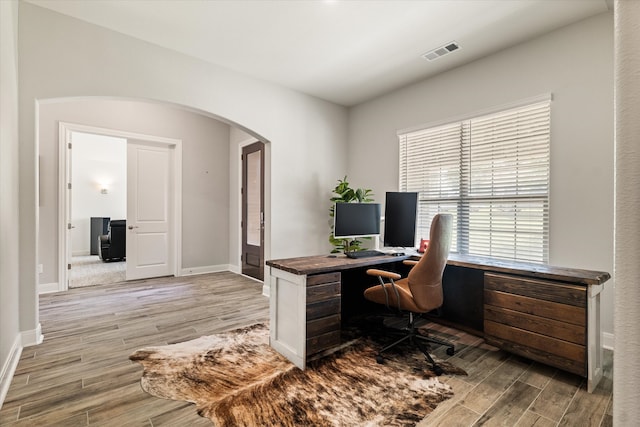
[
  {"x": 118, "y": 238},
  {"x": 425, "y": 278}
]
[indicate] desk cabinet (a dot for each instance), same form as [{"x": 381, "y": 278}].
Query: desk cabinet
[
  {"x": 305, "y": 314},
  {"x": 542, "y": 320},
  {"x": 323, "y": 312}
]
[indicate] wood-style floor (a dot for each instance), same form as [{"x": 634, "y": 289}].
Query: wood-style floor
[{"x": 81, "y": 374}]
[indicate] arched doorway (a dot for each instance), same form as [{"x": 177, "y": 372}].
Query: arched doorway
[{"x": 220, "y": 187}]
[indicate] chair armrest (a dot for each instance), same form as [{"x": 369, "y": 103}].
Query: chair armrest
[
  {"x": 410, "y": 262},
  {"x": 382, "y": 273}
]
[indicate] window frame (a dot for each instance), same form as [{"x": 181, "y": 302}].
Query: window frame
[{"x": 526, "y": 199}]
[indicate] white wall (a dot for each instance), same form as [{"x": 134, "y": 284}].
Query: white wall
[
  {"x": 64, "y": 57},
  {"x": 98, "y": 161},
  {"x": 10, "y": 342},
  {"x": 205, "y": 171},
  {"x": 575, "y": 64}
]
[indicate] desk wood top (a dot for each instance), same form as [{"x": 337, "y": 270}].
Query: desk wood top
[
  {"x": 530, "y": 269},
  {"x": 324, "y": 264}
]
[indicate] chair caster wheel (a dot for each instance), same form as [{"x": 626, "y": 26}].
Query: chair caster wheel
[
  {"x": 437, "y": 370},
  {"x": 450, "y": 351},
  {"x": 379, "y": 359}
]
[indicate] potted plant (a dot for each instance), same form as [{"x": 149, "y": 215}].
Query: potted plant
[{"x": 343, "y": 193}]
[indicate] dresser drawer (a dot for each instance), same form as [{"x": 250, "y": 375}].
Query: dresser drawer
[
  {"x": 319, "y": 279},
  {"x": 323, "y": 308},
  {"x": 545, "y": 290},
  {"x": 562, "y": 330},
  {"x": 322, "y": 342},
  {"x": 323, "y": 325},
  {"x": 322, "y": 292},
  {"x": 536, "y": 307},
  {"x": 542, "y": 348}
]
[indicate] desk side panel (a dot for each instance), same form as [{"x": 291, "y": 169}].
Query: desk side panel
[
  {"x": 288, "y": 315},
  {"x": 463, "y": 298}
]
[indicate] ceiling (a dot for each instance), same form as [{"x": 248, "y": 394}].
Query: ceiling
[{"x": 344, "y": 51}]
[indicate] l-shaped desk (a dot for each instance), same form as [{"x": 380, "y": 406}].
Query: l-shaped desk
[{"x": 548, "y": 314}]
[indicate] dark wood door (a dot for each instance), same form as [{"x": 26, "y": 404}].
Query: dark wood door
[{"x": 253, "y": 210}]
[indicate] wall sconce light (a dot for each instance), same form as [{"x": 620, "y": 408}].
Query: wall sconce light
[{"x": 102, "y": 183}]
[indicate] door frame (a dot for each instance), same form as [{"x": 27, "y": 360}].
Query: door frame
[{"x": 64, "y": 131}]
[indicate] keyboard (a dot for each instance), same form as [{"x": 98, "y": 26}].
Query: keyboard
[{"x": 364, "y": 254}]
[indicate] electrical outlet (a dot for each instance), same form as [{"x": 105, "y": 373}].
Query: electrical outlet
[{"x": 40, "y": 268}]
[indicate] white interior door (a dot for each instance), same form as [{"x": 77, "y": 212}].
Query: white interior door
[{"x": 149, "y": 210}]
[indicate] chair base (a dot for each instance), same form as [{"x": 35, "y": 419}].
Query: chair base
[{"x": 411, "y": 334}]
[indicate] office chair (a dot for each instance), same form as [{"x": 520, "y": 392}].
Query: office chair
[
  {"x": 418, "y": 293},
  {"x": 113, "y": 245}
]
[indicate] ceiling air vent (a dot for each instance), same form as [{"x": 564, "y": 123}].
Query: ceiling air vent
[{"x": 441, "y": 51}]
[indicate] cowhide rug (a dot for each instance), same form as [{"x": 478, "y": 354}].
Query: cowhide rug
[{"x": 236, "y": 379}]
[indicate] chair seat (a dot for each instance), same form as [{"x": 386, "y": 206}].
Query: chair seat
[{"x": 377, "y": 294}]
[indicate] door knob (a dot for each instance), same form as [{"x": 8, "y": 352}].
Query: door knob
[{"x": 131, "y": 227}]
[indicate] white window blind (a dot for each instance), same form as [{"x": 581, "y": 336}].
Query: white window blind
[{"x": 491, "y": 173}]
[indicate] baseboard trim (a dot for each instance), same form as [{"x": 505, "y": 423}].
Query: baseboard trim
[
  {"x": 32, "y": 337},
  {"x": 266, "y": 286},
  {"x": 47, "y": 288},
  {"x": 9, "y": 368},
  {"x": 608, "y": 341},
  {"x": 252, "y": 278},
  {"x": 235, "y": 269},
  {"x": 191, "y": 271}
]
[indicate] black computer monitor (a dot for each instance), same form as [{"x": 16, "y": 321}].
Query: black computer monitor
[
  {"x": 352, "y": 220},
  {"x": 400, "y": 213}
]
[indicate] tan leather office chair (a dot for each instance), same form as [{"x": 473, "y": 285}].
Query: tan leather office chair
[{"x": 421, "y": 291}]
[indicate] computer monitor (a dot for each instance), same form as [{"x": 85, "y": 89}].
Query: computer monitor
[
  {"x": 352, "y": 220},
  {"x": 400, "y": 213}
]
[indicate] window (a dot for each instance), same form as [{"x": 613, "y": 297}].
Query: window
[{"x": 492, "y": 173}]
